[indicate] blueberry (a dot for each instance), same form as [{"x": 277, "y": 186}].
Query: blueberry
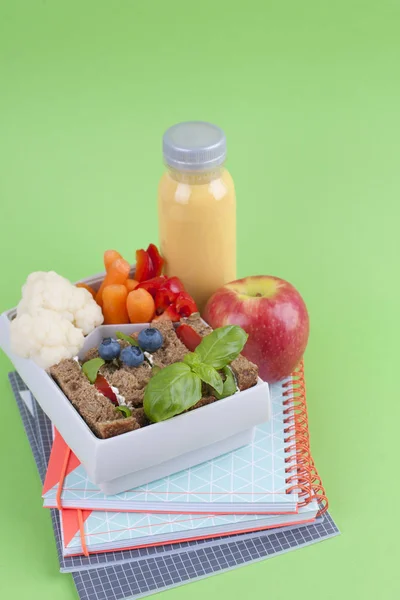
[
  {"x": 150, "y": 339},
  {"x": 132, "y": 356},
  {"x": 109, "y": 349}
]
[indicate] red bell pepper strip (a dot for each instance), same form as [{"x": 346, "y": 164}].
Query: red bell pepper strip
[
  {"x": 144, "y": 266},
  {"x": 152, "y": 285},
  {"x": 185, "y": 305},
  {"x": 156, "y": 259},
  {"x": 188, "y": 336},
  {"x": 101, "y": 384},
  {"x": 169, "y": 314}
]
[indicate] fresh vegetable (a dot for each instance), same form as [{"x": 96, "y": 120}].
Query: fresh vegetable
[
  {"x": 114, "y": 304},
  {"x": 171, "y": 294},
  {"x": 188, "y": 336},
  {"x": 144, "y": 267},
  {"x": 222, "y": 346},
  {"x": 101, "y": 384},
  {"x": 164, "y": 298},
  {"x": 185, "y": 305},
  {"x": 174, "y": 285},
  {"x": 52, "y": 319},
  {"x": 168, "y": 315},
  {"x": 152, "y": 285},
  {"x": 149, "y": 263},
  {"x": 117, "y": 273},
  {"x": 173, "y": 390},
  {"x": 229, "y": 387},
  {"x": 150, "y": 339},
  {"x": 91, "y": 368},
  {"x": 109, "y": 349},
  {"x": 177, "y": 388},
  {"x": 140, "y": 305},
  {"x": 109, "y": 257},
  {"x": 192, "y": 359},
  {"x": 131, "y": 284},
  {"x": 132, "y": 356},
  {"x": 170, "y": 299},
  {"x": 157, "y": 260},
  {"x": 127, "y": 338},
  {"x": 209, "y": 375},
  {"x": 124, "y": 410}
]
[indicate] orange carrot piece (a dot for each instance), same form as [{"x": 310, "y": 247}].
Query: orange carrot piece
[
  {"x": 88, "y": 288},
  {"x": 131, "y": 284},
  {"x": 117, "y": 273},
  {"x": 140, "y": 305},
  {"x": 114, "y": 304},
  {"x": 109, "y": 257}
]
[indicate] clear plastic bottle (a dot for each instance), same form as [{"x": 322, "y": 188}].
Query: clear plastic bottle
[{"x": 197, "y": 209}]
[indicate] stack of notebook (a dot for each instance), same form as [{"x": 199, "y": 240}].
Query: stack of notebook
[{"x": 264, "y": 498}]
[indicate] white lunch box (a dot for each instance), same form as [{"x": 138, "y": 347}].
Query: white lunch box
[{"x": 158, "y": 450}]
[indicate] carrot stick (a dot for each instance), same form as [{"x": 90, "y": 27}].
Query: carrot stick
[
  {"x": 109, "y": 257},
  {"x": 117, "y": 273},
  {"x": 114, "y": 304}
]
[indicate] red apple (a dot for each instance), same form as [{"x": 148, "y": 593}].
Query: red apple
[{"x": 274, "y": 315}]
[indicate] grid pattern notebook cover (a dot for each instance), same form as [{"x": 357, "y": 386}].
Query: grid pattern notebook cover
[
  {"x": 141, "y": 572},
  {"x": 252, "y": 479}
]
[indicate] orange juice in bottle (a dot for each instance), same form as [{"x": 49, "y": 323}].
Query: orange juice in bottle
[{"x": 197, "y": 209}]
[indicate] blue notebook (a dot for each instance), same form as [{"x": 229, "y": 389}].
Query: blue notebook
[{"x": 252, "y": 479}]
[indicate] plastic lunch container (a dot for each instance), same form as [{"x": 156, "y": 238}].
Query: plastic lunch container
[{"x": 138, "y": 457}]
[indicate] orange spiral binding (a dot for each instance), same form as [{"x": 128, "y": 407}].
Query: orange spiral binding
[{"x": 302, "y": 475}]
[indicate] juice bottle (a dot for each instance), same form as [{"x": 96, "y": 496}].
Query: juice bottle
[{"x": 197, "y": 209}]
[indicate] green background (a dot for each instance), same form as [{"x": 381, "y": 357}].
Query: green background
[{"x": 308, "y": 94}]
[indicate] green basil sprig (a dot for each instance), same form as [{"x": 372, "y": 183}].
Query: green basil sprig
[
  {"x": 177, "y": 388},
  {"x": 222, "y": 346},
  {"x": 92, "y": 367},
  {"x": 173, "y": 390},
  {"x": 126, "y": 338},
  {"x": 229, "y": 386},
  {"x": 125, "y": 410}
]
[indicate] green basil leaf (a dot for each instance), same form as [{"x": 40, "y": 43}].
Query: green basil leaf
[
  {"x": 155, "y": 369},
  {"x": 92, "y": 367},
  {"x": 229, "y": 387},
  {"x": 124, "y": 410},
  {"x": 174, "y": 389},
  {"x": 222, "y": 346},
  {"x": 192, "y": 359},
  {"x": 126, "y": 338},
  {"x": 209, "y": 375}
]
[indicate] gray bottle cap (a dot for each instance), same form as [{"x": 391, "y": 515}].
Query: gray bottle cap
[{"x": 194, "y": 146}]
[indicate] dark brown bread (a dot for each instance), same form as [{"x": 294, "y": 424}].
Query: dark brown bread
[
  {"x": 197, "y": 324},
  {"x": 245, "y": 371},
  {"x": 172, "y": 350},
  {"x": 97, "y": 410},
  {"x": 140, "y": 417},
  {"x": 204, "y": 401},
  {"x": 131, "y": 382}
]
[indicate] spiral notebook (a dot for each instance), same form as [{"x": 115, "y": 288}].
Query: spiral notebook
[
  {"x": 273, "y": 475},
  {"x": 85, "y": 532},
  {"x": 137, "y": 573}
]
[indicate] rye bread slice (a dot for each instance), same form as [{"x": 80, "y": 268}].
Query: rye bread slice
[
  {"x": 172, "y": 350},
  {"x": 97, "y": 410}
]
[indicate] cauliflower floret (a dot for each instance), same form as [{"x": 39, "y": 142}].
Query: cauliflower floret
[
  {"x": 54, "y": 292},
  {"x": 52, "y": 319},
  {"x": 46, "y": 337}
]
